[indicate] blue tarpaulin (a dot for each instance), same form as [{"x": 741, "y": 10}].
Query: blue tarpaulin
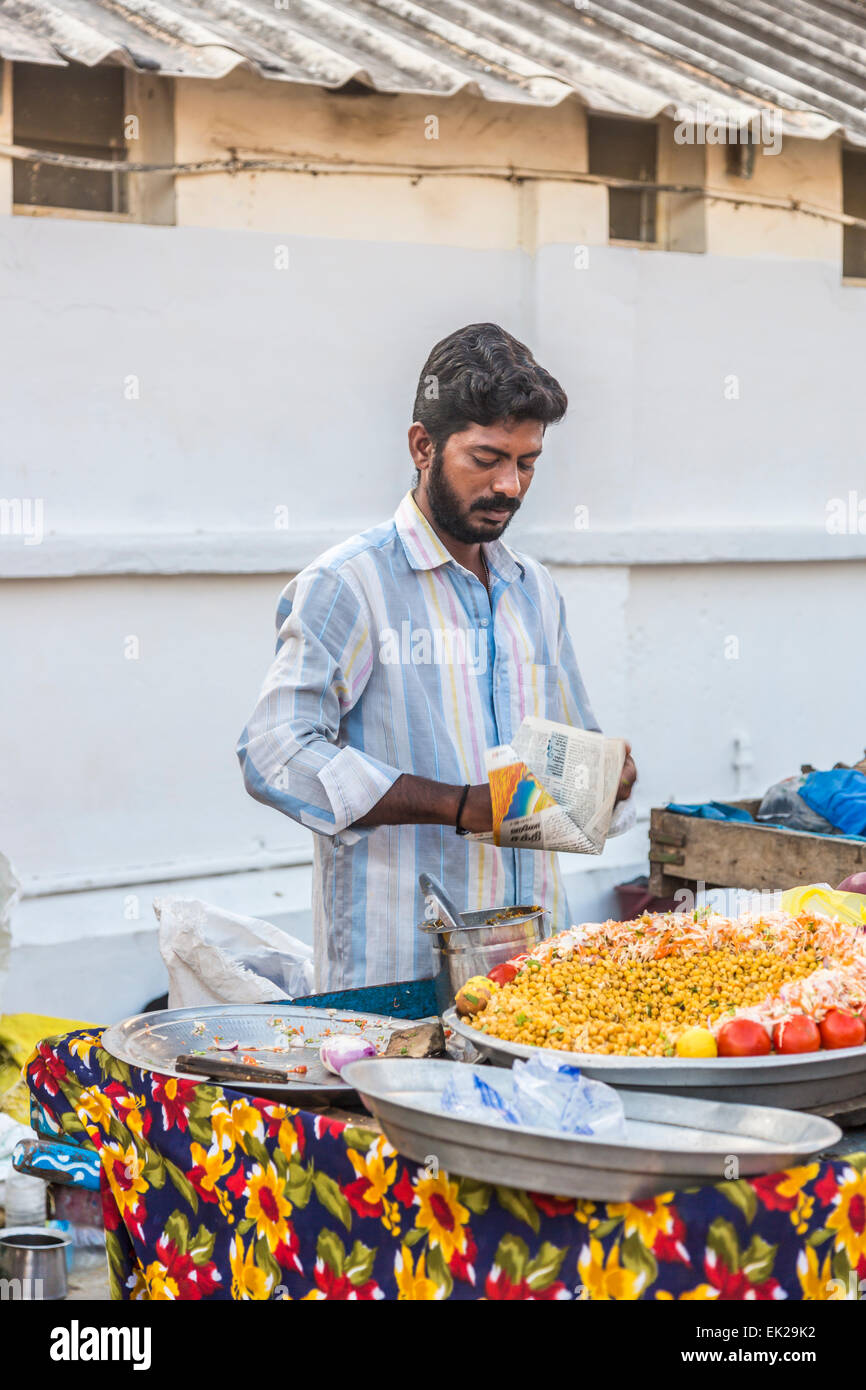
[
  {"x": 710, "y": 810},
  {"x": 840, "y": 795}
]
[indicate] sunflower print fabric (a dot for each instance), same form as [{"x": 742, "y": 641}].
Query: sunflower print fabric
[{"x": 210, "y": 1194}]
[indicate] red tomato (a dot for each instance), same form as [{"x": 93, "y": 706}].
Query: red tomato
[
  {"x": 797, "y": 1034},
  {"x": 502, "y": 974},
  {"x": 839, "y": 1029},
  {"x": 742, "y": 1038}
]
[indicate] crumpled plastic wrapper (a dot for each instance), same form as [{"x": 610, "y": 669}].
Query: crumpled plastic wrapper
[{"x": 540, "y": 1093}]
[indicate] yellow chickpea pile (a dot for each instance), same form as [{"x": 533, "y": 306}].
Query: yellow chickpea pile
[{"x": 636, "y": 1008}]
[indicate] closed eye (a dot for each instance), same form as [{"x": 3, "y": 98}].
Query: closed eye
[{"x": 525, "y": 465}]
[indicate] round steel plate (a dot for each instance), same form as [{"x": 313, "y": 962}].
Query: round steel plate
[
  {"x": 153, "y": 1042},
  {"x": 670, "y": 1141},
  {"x": 800, "y": 1082}
]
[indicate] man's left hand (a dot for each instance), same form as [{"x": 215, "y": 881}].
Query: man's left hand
[{"x": 629, "y": 776}]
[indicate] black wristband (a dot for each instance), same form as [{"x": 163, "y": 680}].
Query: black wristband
[{"x": 457, "y": 825}]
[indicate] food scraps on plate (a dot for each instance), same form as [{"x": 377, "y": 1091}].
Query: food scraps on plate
[
  {"x": 334, "y": 1045},
  {"x": 681, "y": 984}
]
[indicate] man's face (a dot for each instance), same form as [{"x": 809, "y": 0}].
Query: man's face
[{"x": 477, "y": 480}]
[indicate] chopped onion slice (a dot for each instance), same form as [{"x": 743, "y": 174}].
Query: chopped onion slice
[{"x": 337, "y": 1052}]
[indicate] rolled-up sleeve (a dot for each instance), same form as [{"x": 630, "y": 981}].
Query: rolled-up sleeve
[
  {"x": 290, "y": 750},
  {"x": 571, "y": 687}
]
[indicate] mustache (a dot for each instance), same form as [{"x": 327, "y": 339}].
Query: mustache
[{"x": 496, "y": 504}]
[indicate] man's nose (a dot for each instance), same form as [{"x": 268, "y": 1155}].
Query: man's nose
[{"x": 508, "y": 482}]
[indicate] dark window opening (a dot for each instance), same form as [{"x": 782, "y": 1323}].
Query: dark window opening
[
  {"x": 854, "y": 202},
  {"x": 740, "y": 159},
  {"x": 626, "y": 150},
  {"x": 72, "y": 110}
]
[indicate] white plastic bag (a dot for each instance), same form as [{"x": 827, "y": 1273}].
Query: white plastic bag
[
  {"x": 550, "y": 1094},
  {"x": 217, "y": 957},
  {"x": 11, "y": 1134},
  {"x": 541, "y": 1093},
  {"x": 468, "y": 1093}
]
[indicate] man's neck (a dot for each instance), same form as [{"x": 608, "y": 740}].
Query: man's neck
[{"x": 466, "y": 553}]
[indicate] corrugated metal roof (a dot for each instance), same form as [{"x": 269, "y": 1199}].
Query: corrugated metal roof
[{"x": 805, "y": 59}]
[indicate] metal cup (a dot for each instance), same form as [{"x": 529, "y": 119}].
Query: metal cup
[
  {"x": 460, "y": 953},
  {"x": 33, "y": 1263}
]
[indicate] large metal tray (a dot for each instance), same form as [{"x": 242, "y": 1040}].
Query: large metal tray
[
  {"x": 153, "y": 1041},
  {"x": 804, "y": 1082},
  {"x": 672, "y": 1141}
]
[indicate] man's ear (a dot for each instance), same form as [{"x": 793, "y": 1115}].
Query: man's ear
[{"x": 421, "y": 446}]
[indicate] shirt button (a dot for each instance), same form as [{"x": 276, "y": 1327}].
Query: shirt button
[{"x": 485, "y": 622}]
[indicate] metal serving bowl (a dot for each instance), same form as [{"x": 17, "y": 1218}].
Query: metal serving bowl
[
  {"x": 487, "y": 939},
  {"x": 33, "y": 1260}
]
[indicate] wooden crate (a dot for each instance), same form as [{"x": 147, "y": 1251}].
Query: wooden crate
[{"x": 685, "y": 850}]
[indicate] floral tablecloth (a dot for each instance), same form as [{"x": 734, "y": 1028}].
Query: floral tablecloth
[{"x": 209, "y": 1194}]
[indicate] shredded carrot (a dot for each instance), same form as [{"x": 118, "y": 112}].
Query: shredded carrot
[{"x": 839, "y": 982}]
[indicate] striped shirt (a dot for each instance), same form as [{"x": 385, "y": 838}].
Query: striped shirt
[{"x": 392, "y": 658}]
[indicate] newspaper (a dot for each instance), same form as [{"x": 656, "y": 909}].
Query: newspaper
[{"x": 553, "y": 787}]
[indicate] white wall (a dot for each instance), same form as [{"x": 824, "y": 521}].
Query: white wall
[{"x": 261, "y": 388}]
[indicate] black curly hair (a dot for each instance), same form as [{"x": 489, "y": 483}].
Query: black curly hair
[{"x": 481, "y": 375}]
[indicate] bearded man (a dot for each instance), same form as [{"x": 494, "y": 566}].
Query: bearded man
[{"x": 402, "y": 655}]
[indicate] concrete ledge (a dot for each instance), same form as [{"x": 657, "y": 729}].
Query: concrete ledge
[{"x": 279, "y": 552}]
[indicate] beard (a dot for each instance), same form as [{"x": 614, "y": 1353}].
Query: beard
[{"x": 453, "y": 517}]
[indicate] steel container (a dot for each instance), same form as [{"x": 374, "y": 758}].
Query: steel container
[
  {"x": 796, "y": 1081},
  {"x": 461, "y": 952},
  {"x": 33, "y": 1261},
  {"x": 668, "y": 1142}
]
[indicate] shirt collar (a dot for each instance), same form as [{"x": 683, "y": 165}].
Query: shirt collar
[{"x": 425, "y": 551}]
